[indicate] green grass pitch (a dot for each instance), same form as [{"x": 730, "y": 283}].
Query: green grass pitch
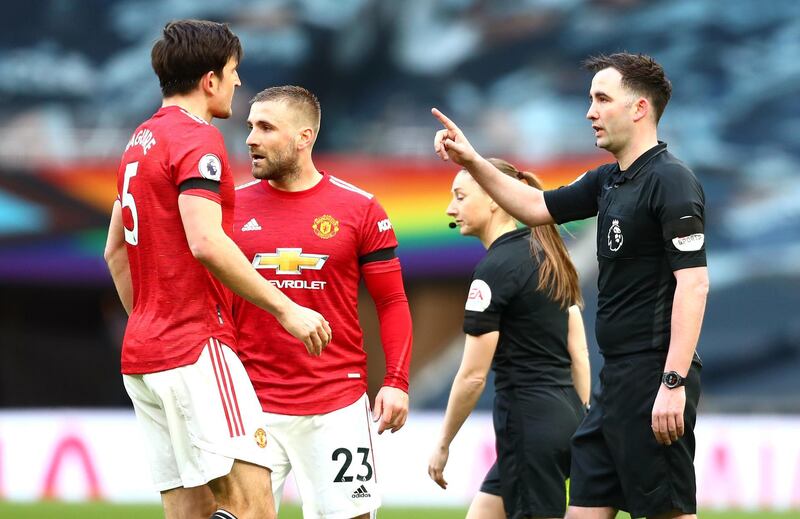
[{"x": 107, "y": 511}]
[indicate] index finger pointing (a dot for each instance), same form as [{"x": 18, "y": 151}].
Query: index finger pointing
[{"x": 450, "y": 125}]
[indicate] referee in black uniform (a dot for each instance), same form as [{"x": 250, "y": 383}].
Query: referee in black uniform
[
  {"x": 521, "y": 317},
  {"x": 635, "y": 450}
]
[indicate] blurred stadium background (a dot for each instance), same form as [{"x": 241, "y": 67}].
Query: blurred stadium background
[{"x": 75, "y": 80}]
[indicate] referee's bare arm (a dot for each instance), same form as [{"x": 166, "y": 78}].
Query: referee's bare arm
[
  {"x": 688, "y": 307},
  {"x": 523, "y": 202}
]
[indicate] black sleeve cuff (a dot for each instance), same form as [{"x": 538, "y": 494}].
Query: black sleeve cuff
[
  {"x": 378, "y": 255},
  {"x": 551, "y": 200},
  {"x": 686, "y": 260},
  {"x": 478, "y": 323},
  {"x": 199, "y": 183}
]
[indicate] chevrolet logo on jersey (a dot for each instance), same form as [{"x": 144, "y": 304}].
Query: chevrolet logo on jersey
[{"x": 289, "y": 261}]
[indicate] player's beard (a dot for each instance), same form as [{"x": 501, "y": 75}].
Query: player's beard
[{"x": 281, "y": 167}]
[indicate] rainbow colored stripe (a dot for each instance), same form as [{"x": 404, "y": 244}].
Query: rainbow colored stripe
[{"x": 414, "y": 192}]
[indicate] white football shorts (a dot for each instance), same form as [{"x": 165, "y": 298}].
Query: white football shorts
[
  {"x": 198, "y": 419},
  {"x": 332, "y": 457}
]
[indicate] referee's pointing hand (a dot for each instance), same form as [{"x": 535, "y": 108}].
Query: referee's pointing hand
[{"x": 451, "y": 143}]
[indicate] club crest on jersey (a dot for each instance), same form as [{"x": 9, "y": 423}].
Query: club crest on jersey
[
  {"x": 210, "y": 167},
  {"x": 289, "y": 260},
  {"x": 325, "y": 226},
  {"x": 615, "y": 237},
  {"x": 261, "y": 437}
]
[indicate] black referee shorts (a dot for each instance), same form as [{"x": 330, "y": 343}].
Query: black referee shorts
[
  {"x": 491, "y": 483},
  {"x": 533, "y": 427},
  {"x": 616, "y": 460}
]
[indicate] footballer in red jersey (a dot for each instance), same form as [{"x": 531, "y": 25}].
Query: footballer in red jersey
[
  {"x": 315, "y": 237},
  {"x": 177, "y": 304},
  {"x": 174, "y": 263}
]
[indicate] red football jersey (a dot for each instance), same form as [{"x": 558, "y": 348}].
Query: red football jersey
[
  {"x": 308, "y": 244},
  {"x": 177, "y": 304}
]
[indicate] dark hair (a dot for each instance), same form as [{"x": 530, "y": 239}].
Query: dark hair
[
  {"x": 188, "y": 49},
  {"x": 557, "y": 274},
  {"x": 296, "y": 95},
  {"x": 640, "y": 74}
]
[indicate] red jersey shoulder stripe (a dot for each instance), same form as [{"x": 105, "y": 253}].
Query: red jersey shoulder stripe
[
  {"x": 248, "y": 184},
  {"x": 350, "y": 187},
  {"x": 194, "y": 117}
]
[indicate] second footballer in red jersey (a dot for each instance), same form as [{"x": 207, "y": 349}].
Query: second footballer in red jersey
[
  {"x": 173, "y": 263},
  {"x": 315, "y": 237}
]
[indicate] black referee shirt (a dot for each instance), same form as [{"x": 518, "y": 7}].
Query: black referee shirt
[
  {"x": 650, "y": 222},
  {"x": 532, "y": 348}
]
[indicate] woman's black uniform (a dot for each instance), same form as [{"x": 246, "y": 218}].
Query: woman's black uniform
[{"x": 536, "y": 408}]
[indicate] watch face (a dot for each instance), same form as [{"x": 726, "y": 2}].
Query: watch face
[{"x": 671, "y": 379}]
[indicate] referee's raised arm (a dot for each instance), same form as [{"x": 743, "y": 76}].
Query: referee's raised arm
[{"x": 523, "y": 202}]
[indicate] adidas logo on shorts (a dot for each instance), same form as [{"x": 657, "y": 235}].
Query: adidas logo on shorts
[
  {"x": 360, "y": 492},
  {"x": 252, "y": 225}
]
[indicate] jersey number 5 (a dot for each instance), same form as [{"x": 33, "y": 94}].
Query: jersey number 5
[
  {"x": 131, "y": 235},
  {"x": 348, "y": 459}
]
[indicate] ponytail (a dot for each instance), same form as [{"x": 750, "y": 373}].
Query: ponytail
[{"x": 557, "y": 275}]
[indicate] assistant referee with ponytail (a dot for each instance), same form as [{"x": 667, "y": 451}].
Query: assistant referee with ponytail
[{"x": 521, "y": 317}]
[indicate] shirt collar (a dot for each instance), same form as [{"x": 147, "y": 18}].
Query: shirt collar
[
  {"x": 510, "y": 235},
  {"x": 639, "y": 163}
]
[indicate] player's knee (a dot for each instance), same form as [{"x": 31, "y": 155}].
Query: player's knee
[
  {"x": 248, "y": 506},
  {"x": 206, "y": 504}
]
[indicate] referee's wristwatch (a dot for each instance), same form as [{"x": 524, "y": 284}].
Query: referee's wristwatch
[{"x": 672, "y": 379}]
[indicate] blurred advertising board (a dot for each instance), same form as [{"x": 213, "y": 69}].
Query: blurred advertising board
[{"x": 750, "y": 462}]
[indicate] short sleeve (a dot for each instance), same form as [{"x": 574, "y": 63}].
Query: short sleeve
[
  {"x": 376, "y": 230},
  {"x": 489, "y": 294},
  {"x": 678, "y": 202},
  {"x": 200, "y": 155},
  {"x": 575, "y": 201}
]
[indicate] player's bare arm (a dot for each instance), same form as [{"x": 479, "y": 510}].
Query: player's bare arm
[
  {"x": 202, "y": 222},
  {"x": 467, "y": 388},
  {"x": 523, "y": 202},
  {"x": 116, "y": 256},
  {"x": 688, "y": 308},
  {"x": 579, "y": 355}
]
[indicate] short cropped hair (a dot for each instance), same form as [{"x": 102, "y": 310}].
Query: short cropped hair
[
  {"x": 297, "y": 96},
  {"x": 640, "y": 74},
  {"x": 188, "y": 49}
]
